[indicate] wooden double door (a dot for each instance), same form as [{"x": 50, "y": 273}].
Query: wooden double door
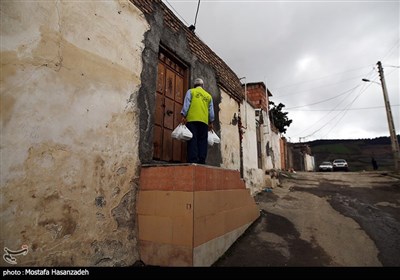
[{"x": 171, "y": 85}]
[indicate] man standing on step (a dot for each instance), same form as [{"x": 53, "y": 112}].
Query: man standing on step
[{"x": 198, "y": 116}]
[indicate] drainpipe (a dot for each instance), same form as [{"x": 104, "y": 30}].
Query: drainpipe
[
  {"x": 245, "y": 103},
  {"x": 240, "y": 129}
]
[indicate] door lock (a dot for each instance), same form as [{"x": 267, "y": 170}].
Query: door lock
[{"x": 169, "y": 112}]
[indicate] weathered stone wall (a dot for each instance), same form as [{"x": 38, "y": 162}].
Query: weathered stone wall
[{"x": 70, "y": 76}]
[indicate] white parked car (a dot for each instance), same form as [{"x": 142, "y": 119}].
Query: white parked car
[
  {"x": 340, "y": 164},
  {"x": 325, "y": 166}
]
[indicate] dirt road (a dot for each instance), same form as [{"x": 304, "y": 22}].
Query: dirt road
[{"x": 324, "y": 219}]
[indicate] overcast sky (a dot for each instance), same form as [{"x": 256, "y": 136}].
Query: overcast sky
[{"x": 312, "y": 56}]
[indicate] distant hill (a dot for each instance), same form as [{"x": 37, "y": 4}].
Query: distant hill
[{"x": 357, "y": 153}]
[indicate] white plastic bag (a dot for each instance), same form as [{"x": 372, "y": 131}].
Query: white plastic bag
[
  {"x": 181, "y": 132},
  {"x": 212, "y": 138},
  {"x": 177, "y": 132},
  {"x": 186, "y": 133},
  {"x": 216, "y": 138}
]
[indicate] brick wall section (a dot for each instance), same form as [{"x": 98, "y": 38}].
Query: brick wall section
[
  {"x": 189, "y": 178},
  {"x": 257, "y": 96},
  {"x": 226, "y": 78}
]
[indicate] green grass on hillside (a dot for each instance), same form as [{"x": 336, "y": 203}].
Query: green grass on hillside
[
  {"x": 338, "y": 149},
  {"x": 357, "y": 153}
]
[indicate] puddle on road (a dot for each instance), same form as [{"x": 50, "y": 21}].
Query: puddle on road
[{"x": 273, "y": 241}]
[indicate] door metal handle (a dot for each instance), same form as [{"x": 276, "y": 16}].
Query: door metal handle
[{"x": 169, "y": 112}]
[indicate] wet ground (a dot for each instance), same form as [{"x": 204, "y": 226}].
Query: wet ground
[
  {"x": 337, "y": 219},
  {"x": 273, "y": 241}
]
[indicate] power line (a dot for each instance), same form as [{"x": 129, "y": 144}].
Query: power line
[
  {"x": 169, "y": 4},
  {"x": 346, "y": 110},
  {"x": 321, "y": 119},
  {"x": 324, "y": 77},
  {"x": 394, "y": 66},
  {"x": 322, "y": 101},
  {"x": 325, "y": 100},
  {"x": 337, "y": 115},
  {"x": 397, "y": 43},
  {"x": 391, "y": 49},
  {"x": 197, "y": 11},
  {"x": 370, "y": 74},
  {"x": 372, "y": 71},
  {"x": 327, "y": 85},
  {"x": 392, "y": 71},
  {"x": 351, "y": 109},
  {"x": 193, "y": 26},
  {"x": 341, "y": 113}
]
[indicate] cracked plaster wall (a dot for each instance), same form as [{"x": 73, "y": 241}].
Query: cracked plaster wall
[
  {"x": 70, "y": 75},
  {"x": 229, "y": 130}
]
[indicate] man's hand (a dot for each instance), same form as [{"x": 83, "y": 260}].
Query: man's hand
[{"x": 183, "y": 121}]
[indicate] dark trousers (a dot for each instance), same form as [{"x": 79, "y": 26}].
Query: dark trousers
[{"x": 197, "y": 146}]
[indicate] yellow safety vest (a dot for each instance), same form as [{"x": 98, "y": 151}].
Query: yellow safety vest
[{"x": 198, "y": 110}]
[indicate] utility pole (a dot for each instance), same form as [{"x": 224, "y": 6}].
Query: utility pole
[{"x": 392, "y": 130}]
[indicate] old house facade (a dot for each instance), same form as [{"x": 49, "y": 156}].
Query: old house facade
[
  {"x": 262, "y": 141},
  {"x": 90, "y": 93}
]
